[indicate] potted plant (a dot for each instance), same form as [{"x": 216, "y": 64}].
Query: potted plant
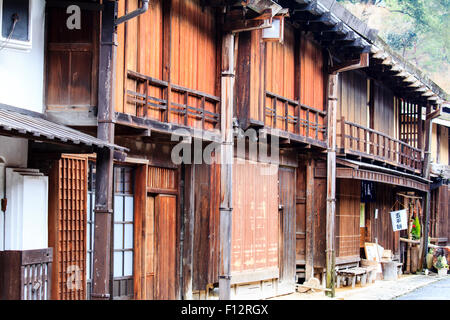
[
  {"x": 441, "y": 266},
  {"x": 415, "y": 230}
]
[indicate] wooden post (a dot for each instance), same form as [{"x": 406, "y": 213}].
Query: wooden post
[
  {"x": 105, "y": 157},
  {"x": 426, "y": 175},
  {"x": 226, "y": 173},
  {"x": 310, "y": 213},
  {"x": 331, "y": 182}
]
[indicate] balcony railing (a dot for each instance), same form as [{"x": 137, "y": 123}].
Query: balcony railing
[
  {"x": 185, "y": 106},
  {"x": 369, "y": 143},
  {"x": 292, "y": 116}
]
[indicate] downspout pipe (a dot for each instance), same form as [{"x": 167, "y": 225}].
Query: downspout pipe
[
  {"x": 101, "y": 280},
  {"x": 133, "y": 14}
]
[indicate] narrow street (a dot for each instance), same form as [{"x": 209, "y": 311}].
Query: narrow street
[{"x": 439, "y": 290}]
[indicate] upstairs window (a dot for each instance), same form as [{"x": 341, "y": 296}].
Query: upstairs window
[{"x": 15, "y": 24}]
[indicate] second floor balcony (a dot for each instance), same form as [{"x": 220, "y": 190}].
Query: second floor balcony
[{"x": 366, "y": 143}]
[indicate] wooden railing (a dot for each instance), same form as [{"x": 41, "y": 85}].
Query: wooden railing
[
  {"x": 26, "y": 275},
  {"x": 292, "y": 116},
  {"x": 366, "y": 142},
  {"x": 173, "y": 103}
]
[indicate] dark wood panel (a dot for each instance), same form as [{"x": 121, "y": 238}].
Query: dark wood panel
[
  {"x": 301, "y": 212},
  {"x": 71, "y": 60},
  {"x": 348, "y": 195},
  {"x": 320, "y": 205},
  {"x": 206, "y": 224}
]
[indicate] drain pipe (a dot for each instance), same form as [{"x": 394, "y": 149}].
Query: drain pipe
[
  {"x": 101, "y": 282},
  {"x": 133, "y": 14}
]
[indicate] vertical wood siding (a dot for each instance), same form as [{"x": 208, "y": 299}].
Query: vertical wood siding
[
  {"x": 439, "y": 213},
  {"x": 255, "y": 218},
  {"x": 381, "y": 228},
  {"x": 280, "y": 76},
  {"x": 249, "y": 89},
  {"x": 287, "y": 225},
  {"x": 206, "y": 226},
  {"x": 174, "y": 41},
  {"x": 72, "y": 60},
  {"x": 384, "y": 118},
  {"x": 300, "y": 222},
  {"x": 312, "y": 78},
  {"x": 67, "y": 227},
  {"x": 320, "y": 205},
  {"x": 347, "y": 217},
  {"x": 352, "y": 100},
  {"x": 165, "y": 247}
]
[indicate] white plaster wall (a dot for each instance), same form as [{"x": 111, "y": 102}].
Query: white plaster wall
[
  {"x": 14, "y": 151},
  {"x": 22, "y": 72}
]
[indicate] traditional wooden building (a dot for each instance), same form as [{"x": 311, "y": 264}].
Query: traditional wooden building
[{"x": 332, "y": 123}]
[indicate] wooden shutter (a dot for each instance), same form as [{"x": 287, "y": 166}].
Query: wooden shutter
[
  {"x": 347, "y": 218},
  {"x": 255, "y": 221},
  {"x": 72, "y": 60},
  {"x": 67, "y": 227},
  {"x": 165, "y": 221}
]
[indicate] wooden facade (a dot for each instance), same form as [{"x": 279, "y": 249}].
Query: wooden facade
[
  {"x": 282, "y": 85},
  {"x": 169, "y": 75},
  {"x": 167, "y": 64}
]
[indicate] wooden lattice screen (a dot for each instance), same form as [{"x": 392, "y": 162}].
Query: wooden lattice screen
[
  {"x": 410, "y": 124},
  {"x": 67, "y": 227}
]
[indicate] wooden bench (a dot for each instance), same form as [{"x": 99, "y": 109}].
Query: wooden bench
[{"x": 352, "y": 274}]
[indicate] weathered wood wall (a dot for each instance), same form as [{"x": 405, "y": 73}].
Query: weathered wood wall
[
  {"x": 206, "y": 226},
  {"x": 312, "y": 78},
  {"x": 255, "y": 227},
  {"x": 384, "y": 118},
  {"x": 439, "y": 219},
  {"x": 280, "y": 78},
  {"x": 249, "y": 89},
  {"x": 287, "y": 231},
  {"x": 352, "y": 100},
  {"x": 348, "y": 200},
  {"x": 440, "y": 144},
  {"x": 174, "y": 41},
  {"x": 300, "y": 214},
  {"x": 320, "y": 206},
  {"x": 71, "y": 60},
  {"x": 381, "y": 228}
]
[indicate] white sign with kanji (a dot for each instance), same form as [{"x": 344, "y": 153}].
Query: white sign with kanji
[{"x": 399, "y": 220}]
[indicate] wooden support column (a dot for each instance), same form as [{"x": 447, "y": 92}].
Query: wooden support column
[
  {"x": 188, "y": 231},
  {"x": 310, "y": 217},
  {"x": 426, "y": 175},
  {"x": 226, "y": 169},
  {"x": 105, "y": 157},
  {"x": 331, "y": 183}
]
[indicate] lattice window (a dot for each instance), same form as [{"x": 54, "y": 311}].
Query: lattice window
[{"x": 67, "y": 227}]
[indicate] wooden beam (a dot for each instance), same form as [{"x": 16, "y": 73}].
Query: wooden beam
[
  {"x": 310, "y": 214},
  {"x": 104, "y": 177},
  {"x": 226, "y": 169},
  {"x": 331, "y": 183}
]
